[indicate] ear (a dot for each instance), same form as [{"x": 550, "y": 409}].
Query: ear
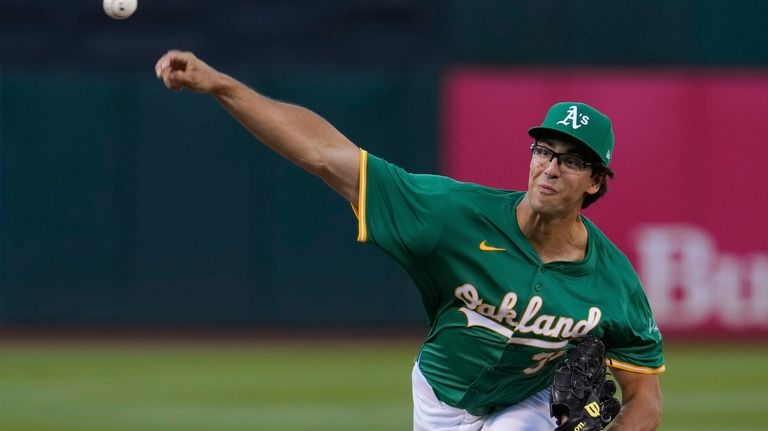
[{"x": 597, "y": 182}]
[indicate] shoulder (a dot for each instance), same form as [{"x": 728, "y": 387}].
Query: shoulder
[
  {"x": 382, "y": 170},
  {"x": 481, "y": 191},
  {"x": 379, "y": 170},
  {"x": 611, "y": 261},
  {"x": 604, "y": 245}
]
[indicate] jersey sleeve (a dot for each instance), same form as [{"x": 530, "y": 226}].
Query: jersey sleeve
[
  {"x": 402, "y": 213},
  {"x": 636, "y": 346}
]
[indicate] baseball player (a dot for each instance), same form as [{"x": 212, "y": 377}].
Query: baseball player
[{"x": 507, "y": 278}]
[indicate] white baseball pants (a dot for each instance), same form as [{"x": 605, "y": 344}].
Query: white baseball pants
[{"x": 431, "y": 414}]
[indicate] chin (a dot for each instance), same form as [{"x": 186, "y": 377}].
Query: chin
[
  {"x": 546, "y": 211},
  {"x": 541, "y": 205}
]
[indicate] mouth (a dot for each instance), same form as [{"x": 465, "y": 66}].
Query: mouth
[{"x": 545, "y": 189}]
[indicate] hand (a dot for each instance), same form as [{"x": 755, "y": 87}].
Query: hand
[
  {"x": 180, "y": 70},
  {"x": 581, "y": 398}
]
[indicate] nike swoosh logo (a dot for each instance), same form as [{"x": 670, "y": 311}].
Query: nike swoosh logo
[{"x": 486, "y": 247}]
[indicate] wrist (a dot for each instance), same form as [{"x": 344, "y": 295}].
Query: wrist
[{"x": 222, "y": 85}]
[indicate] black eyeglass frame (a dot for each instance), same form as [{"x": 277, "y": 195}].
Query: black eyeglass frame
[{"x": 556, "y": 155}]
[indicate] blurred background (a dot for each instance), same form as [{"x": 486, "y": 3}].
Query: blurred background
[{"x": 155, "y": 260}]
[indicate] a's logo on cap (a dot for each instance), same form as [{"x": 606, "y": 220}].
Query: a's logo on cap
[
  {"x": 608, "y": 155},
  {"x": 577, "y": 120}
]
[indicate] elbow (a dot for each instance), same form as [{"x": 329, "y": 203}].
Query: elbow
[
  {"x": 318, "y": 161},
  {"x": 312, "y": 161},
  {"x": 316, "y": 167}
]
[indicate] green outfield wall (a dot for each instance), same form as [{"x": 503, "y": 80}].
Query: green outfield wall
[{"x": 125, "y": 203}]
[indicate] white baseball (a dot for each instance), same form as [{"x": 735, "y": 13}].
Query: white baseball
[{"x": 120, "y": 9}]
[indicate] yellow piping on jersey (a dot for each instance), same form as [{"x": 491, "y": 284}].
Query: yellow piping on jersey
[
  {"x": 362, "y": 232},
  {"x": 633, "y": 368}
]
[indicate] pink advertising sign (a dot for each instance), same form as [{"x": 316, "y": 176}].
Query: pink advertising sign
[{"x": 688, "y": 204}]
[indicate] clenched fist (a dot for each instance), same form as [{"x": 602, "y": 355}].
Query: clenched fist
[{"x": 180, "y": 70}]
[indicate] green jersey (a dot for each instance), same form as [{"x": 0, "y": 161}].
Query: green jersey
[{"x": 499, "y": 317}]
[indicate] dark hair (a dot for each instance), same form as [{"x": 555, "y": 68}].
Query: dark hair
[{"x": 600, "y": 173}]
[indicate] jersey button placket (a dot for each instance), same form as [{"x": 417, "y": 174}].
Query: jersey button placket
[{"x": 537, "y": 287}]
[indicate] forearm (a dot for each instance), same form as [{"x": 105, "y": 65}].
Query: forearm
[
  {"x": 641, "y": 396},
  {"x": 638, "y": 415},
  {"x": 296, "y": 133}
]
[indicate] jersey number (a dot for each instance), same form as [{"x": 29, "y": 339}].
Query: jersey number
[{"x": 543, "y": 358}]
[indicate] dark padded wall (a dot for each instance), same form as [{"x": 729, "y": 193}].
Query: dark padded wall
[{"x": 126, "y": 203}]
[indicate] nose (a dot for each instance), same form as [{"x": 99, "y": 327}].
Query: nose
[{"x": 553, "y": 168}]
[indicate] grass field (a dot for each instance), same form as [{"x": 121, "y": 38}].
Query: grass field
[{"x": 329, "y": 385}]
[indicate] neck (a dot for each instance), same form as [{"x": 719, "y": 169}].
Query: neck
[{"x": 555, "y": 237}]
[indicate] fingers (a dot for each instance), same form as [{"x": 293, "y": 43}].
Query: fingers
[
  {"x": 180, "y": 69},
  {"x": 172, "y": 58},
  {"x": 173, "y": 67},
  {"x": 164, "y": 63},
  {"x": 171, "y": 81}
]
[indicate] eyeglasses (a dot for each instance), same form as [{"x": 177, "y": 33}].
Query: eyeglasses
[{"x": 570, "y": 163}]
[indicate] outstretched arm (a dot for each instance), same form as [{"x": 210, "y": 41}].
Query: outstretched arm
[
  {"x": 296, "y": 133},
  {"x": 641, "y": 396}
]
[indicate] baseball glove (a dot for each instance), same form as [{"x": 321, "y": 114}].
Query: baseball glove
[{"x": 582, "y": 399}]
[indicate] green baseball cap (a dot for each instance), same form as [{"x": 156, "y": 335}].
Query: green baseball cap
[{"x": 581, "y": 122}]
